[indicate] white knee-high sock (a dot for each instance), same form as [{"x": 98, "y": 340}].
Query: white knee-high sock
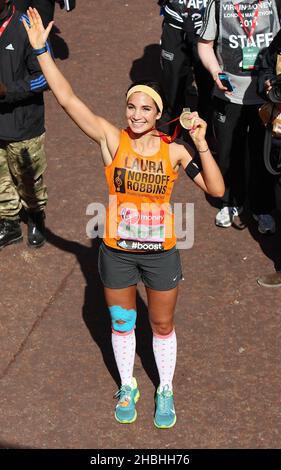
[
  {"x": 124, "y": 348},
  {"x": 165, "y": 353}
]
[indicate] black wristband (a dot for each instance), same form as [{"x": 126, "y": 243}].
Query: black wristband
[
  {"x": 192, "y": 169},
  {"x": 40, "y": 51}
]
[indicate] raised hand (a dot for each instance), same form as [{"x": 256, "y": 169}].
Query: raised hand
[
  {"x": 197, "y": 127},
  {"x": 36, "y": 32}
]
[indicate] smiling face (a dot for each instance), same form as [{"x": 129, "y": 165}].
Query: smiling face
[{"x": 141, "y": 112}]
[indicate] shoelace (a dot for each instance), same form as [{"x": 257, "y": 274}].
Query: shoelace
[
  {"x": 123, "y": 394},
  {"x": 163, "y": 402}
]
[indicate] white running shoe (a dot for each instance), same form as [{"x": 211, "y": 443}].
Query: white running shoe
[
  {"x": 225, "y": 216},
  {"x": 266, "y": 223}
]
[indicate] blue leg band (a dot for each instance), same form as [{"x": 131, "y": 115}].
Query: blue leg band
[{"x": 127, "y": 316}]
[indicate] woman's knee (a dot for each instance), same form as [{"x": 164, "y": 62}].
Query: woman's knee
[
  {"x": 163, "y": 328},
  {"x": 122, "y": 320}
]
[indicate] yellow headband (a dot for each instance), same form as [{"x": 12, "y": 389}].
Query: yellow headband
[{"x": 148, "y": 91}]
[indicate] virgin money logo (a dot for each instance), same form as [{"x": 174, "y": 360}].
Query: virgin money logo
[
  {"x": 147, "y": 217},
  {"x": 130, "y": 216}
]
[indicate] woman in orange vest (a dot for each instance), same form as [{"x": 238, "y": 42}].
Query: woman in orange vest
[{"x": 139, "y": 242}]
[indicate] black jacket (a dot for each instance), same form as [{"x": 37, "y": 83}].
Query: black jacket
[
  {"x": 184, "y": 14},
  {"x": 22, "y": 108}
]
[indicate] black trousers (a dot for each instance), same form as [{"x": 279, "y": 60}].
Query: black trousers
[
  {"x": 240, "y": 135},
  {"x": 180, "y": 64},
  {"x": 46, "y": 8}
]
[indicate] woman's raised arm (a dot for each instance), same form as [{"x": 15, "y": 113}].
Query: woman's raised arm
[{"x": 94, "y": 126}]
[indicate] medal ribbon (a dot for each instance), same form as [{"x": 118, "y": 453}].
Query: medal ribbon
[
  {"x": 5, "y": 24},
  {"x": 255, "y": 19}
]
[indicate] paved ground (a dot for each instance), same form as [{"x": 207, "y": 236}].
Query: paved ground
[{"x": 57, "y": 370}]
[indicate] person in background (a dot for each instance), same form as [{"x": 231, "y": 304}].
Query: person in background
[
  {"x": 180, "y": 63},
  {"x": 22, "y": 133},
  {"x": 268, "y": 73},
  {"x": 239, "y": 30}
]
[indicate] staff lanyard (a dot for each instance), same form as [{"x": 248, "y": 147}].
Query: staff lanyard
[
  {"x": 5, "y": 24},
  {"x": 251, "y": 32}
]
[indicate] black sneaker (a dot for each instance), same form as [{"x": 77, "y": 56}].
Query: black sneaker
[
  {"x": 10, "y": 232},
  {"x": 36, "y": 229}
]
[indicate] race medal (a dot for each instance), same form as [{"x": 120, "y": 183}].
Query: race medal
[
  {"x": 187, "y": 123},
  {"x": 250, "y": 55}
]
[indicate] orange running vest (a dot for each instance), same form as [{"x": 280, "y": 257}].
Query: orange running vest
[{"x": 139, "y": 216}]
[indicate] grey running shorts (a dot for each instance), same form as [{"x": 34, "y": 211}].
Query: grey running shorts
[{"x": 119, "y": 269}]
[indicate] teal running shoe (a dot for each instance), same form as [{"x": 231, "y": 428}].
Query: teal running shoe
[
  {"x": 125, "y": 411},
  {"x": 165, "y": 415}
]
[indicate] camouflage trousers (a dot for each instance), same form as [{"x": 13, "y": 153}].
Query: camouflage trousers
[{"x": 22, "y": 165}]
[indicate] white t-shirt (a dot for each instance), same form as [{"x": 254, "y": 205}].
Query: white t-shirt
[{"x": 232, "y": 36}]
